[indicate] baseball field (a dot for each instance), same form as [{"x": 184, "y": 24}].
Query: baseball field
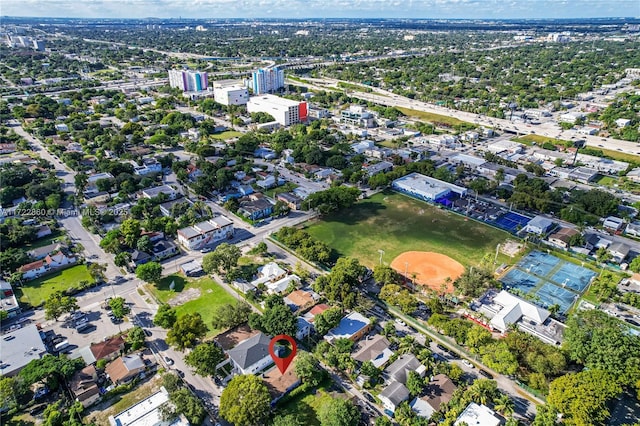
[{"x": 395, "y": 224}]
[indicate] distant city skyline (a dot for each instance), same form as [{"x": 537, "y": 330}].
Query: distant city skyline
[{"x": 425, "y": 9}]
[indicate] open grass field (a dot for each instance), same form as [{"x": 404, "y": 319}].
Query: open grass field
[
  {"x": 307, "y": 405},
  {"x": 433, "y": 118},
  {"x": 37, "y": 291},
  {"x": 226, "y": 135},
  {"x": 396, "y": 223},
  {"x": 538, "y": 139},
  {"x": 211, "y": 295}
]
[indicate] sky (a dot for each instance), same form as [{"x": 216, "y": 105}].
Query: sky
[{"x": 427, "y": 9}]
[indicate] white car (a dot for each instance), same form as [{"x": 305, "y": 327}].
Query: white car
[
  {"x": 467, "y": 363},
  {"x": 399, "y": 321}
]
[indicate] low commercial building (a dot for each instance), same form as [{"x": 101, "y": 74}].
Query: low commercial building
[
  {"x": 539, "y": 225},
  {"x": 147, "y": 413},
  {"x": 19, "y": 348},
  {"x": 231, "y": 95},
  {"x": 204, "y": 233},
  {"x": 426, "y": 188},
  {"x": 284, "y": 111}
]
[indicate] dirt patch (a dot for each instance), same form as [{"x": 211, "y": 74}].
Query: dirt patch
[
  {"x": 430, "y": 269},
  {"x": 511, "y": 248},
  {"x": 184, "y": 297}
]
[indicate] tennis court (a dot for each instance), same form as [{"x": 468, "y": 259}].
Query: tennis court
[
  {"x": 549, "y": 280},
  {"x": 511, "y": 221}
]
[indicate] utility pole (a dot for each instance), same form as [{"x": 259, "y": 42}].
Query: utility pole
[{"x": 381, "y": 254}]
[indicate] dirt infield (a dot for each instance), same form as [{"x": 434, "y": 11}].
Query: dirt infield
[{"x": 430, "y": 269}]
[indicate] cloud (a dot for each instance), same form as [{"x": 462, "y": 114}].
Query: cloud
[{"x": 321, "y": 8}]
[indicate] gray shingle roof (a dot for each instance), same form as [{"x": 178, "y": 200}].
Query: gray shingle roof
[{"x": 250, "y": 351}]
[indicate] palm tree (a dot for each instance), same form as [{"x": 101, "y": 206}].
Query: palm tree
[
  {"x": 504, "y": 405},
  {"x": 406, "y": 344}
]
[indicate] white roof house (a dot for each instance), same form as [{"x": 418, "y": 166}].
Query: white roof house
[
  {"x": 147, "y": 413},
  {"x": 539, "y": 225},
  {"x": 478, "y": 415},
  {"x": 510, "y": 309}
]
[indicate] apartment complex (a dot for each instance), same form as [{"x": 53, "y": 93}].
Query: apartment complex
[
  {"x": 284, "y": 111},
  {"x": 231, "y": 95},
  {"x": 188, "y": 81},
  {"x": 204, "y": 233},
  {"x": 266, "y": 80}
]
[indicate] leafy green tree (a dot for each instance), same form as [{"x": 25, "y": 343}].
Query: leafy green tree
[
  {"x": 245, "y": 401},
  {"x": 205, "y": 358},
  {"x": 58, "y": 304},
  {"x": 8, "y": 392},
  {"x": 278, "y": 319},
  {"x": 308, "y": 369},
  {"x": 223, "y": 258},
  {"x": 52, "y": 369},
  {"x": 500, "y": 358},
  {"x": 546, "y": 416},
  {"x": 415, "y": 383},
  {"x": 97, "y": 270},
  {"x": 144, "y": 244},
  {"x": 189, "y": 405},
  {"x": 288, "y": 420},
  {"x": 327, "y": 320},
  {"x": 122, "y": 259},
  {"x": 338, "y": 285},
  {"x": 187, "y": 330},
  {"x": 165, "y": 317},
  {"x": 130, "y": 230},
  {"x": 119, "y": 307},
  {"x": 382, "y": 421},
  {"x": 371, "y": 371},
  {"x": 386, "y": 275},
  {"x": 150, "y": 272},
  {"x": 338, "y": 412},
  {"x": 583, "y": 397},
  {"x": 136, "y": 338},
  {"x": 228, "y": 316}
]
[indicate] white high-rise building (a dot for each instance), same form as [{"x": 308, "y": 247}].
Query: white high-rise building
[
  {"x": 267, "y": 80},
  {"x": 284, "y": 111},
  {"x": 189, "y": 81}
]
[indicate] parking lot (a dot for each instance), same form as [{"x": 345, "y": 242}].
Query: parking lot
[{"x": 99, "y": 327}]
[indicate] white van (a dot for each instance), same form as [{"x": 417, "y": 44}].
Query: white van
[{"x": 61, "y": 346}]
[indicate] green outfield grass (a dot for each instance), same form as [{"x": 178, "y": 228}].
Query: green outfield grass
[
  {"x": 396, "y": 223},
  {"x": 227, "y": 134},
  {"x": 211, "y": 296},
  {"x": 434, "y": 118},
  {"x": 35, "y": 292}
]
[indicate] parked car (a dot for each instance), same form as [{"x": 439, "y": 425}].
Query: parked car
[
  {"x": 468, "y": 363},
  {"x": 168, "y": 360},
  {"x": 369, "y": 397},
  {"x": 486, "y": 374}
]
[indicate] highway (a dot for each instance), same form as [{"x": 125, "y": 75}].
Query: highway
[{"x": 550, "y": 129}]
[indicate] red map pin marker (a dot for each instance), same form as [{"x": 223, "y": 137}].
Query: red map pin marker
[{"x": 282, "y": 363}]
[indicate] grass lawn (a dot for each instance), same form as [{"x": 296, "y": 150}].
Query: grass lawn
[
  {"x": 37, "y": 291},
  {"x": 528, "y": 139},
  {"x": 211, "y": 296},
  {"x": 306, "y": 406},
  {"x": 226, "y": 135},
  {"x": 433, "y": 118},
  {"x": 396, "y": 223},
  {"x": 287, "y": 187},
  {"x": 607, "y": 181},
  {"x": 49, "y": 239}
]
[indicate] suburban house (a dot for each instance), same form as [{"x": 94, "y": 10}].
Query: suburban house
[
  {"x": 109, "y": 349},
  {"x": 633, "y": 228},
  {"x": 163, "y": 248},
  {"x": 34, "y": 269},
  {"x": 84, "y": 387},
  {"x": 619, "y": 251},
  {"x": 42, "y": 252},
  {"x": 316, "y": 310},
  {"x": 299, "y": 300},
  {"x": 59, "y": 260},
  {"x": 271, "y": 272},
  {"x": 304, "y": 328},
  {"x": 539, "y": 225},
  {"x": 251, "y": 355},
  {"x": 396, "y": 375},
  {"x": 191, "y": 268},
  {"x": 204, "y": 233},
  {"x": 155, "y": 191},
  {"x": 125, "y": 368},
  {"x": 392, "y": 396},
  {"x": 280, "y": 384},
  {"x": 255, "y": 206},
  {"x": 439, "y": 391},
  {"x": 43, "y": 231},
  {"x": 476, "y": 414},
  {"x": 280, "y": 286},
  {"x": 373, "y": 348},
  {"x": 377, "y": 168},
  {"x": 8, "y": 301},
  {"x": 291, "y": 200},
  {"x": 149, "y": 165},
  {"x": 613, "y": 223},
  {"x": 140, "y": 257},
  {"x": 562, "y": 237},
  {"x": 353, "y": 327}
]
